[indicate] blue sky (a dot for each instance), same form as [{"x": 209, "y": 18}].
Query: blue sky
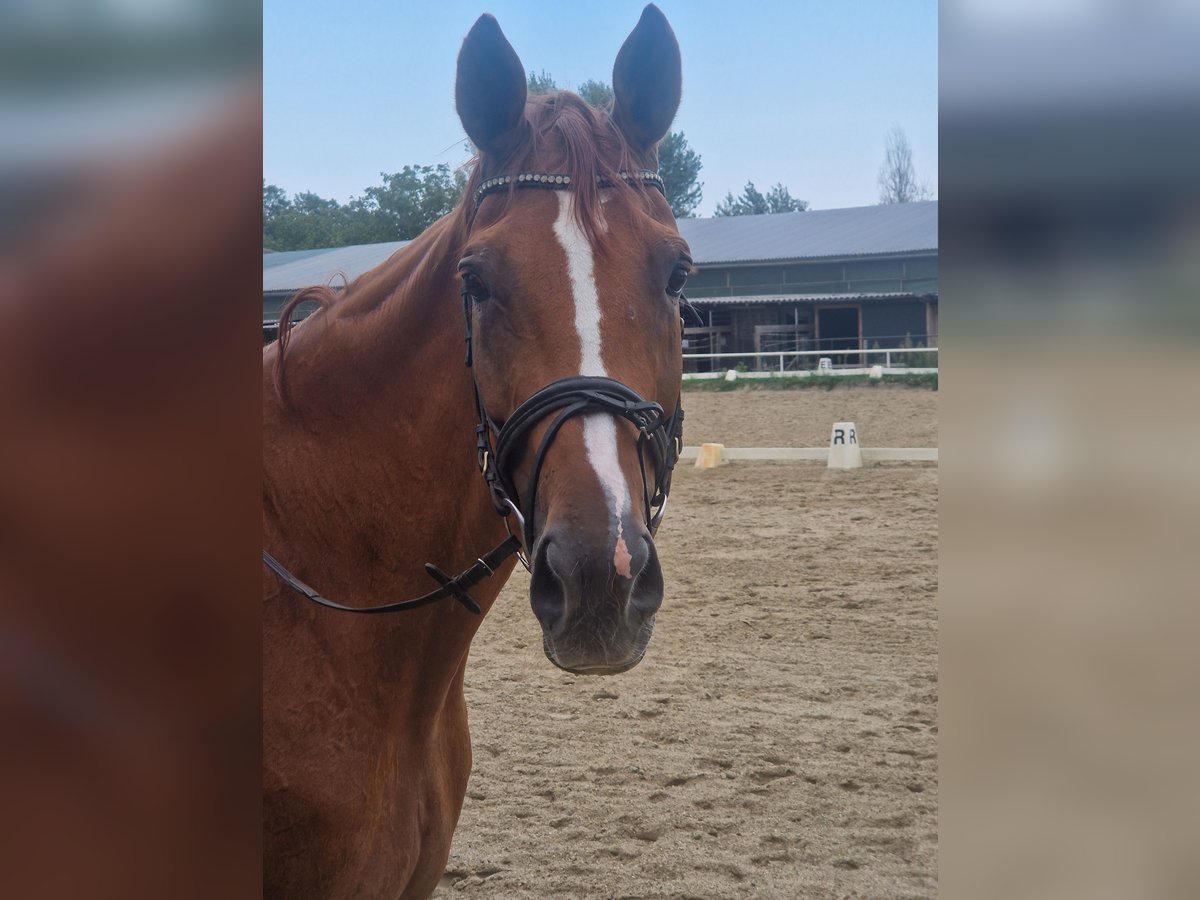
[{"x": 791, "y": 92}]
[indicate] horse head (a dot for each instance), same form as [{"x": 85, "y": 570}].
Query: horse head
[{"x": 571, "y": 276}]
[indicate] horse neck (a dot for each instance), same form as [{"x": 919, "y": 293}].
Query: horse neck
[{"x": 370, "y": 471}]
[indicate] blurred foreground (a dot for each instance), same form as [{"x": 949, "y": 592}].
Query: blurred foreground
[
  {"x": 129, "y": 461},
  {"x": 1071, "y": 491}
]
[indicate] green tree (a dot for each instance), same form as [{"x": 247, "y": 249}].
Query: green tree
[
  {"x": 540, "y": 82},
  {"x": 407, "y": 203},
  {"x": 897, "y": 177},
  {"x": 597, "y": 93},
  {"x": 275, "y": 200},
  {"x": 779, "y": 200},
  {"x": 404, "y": 205},
  {"x": 679, "y": 165},
  {"x": 305, "y": 222},
  {"x": 752, "y": 202}
]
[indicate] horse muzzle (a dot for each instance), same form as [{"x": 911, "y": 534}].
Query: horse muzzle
[{"x": 596, "y": 599}]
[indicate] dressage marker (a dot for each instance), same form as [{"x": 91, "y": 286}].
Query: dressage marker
[
  {"x": 844, "y": 452},
  {"x": 709, "y": 456}
]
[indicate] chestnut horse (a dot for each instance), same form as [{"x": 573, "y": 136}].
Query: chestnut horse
[{"x": 566, "y": 261}]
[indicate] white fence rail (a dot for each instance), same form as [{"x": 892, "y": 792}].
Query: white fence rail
[{"x": 883, "y": 357}]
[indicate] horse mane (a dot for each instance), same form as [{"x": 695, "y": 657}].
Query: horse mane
[
  {"x": 323, "y": 295},
  {"x": 568, "y": 136},
  {"x": 365, "y": 294}
]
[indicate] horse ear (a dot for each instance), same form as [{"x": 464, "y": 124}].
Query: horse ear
[
  {"x": 647, "y": 81},
  {"x": 489, "y": 92}
]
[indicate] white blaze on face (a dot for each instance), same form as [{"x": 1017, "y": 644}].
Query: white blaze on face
[{"x": 599, "y": 430}]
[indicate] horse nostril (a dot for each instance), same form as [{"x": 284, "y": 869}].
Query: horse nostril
[
  {"x": 547, "y": 594},
  {"x": 646, "y": 595}
]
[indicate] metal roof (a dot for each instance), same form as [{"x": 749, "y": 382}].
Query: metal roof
[
  {"x": 729, "y": 240},
  {"x": 273, "y": 258},
  {"x": 830, "y": 233},
  {"x": 307, "y": 267},
  {"x": 756, "y": 299}
]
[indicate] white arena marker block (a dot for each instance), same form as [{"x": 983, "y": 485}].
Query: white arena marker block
[
  {"x": 825, "y": 366},
  {"x": 731, "y": 375},
  {"x": 876, "y": 372},
  {"x": 844, "y": 451},
  {"x": 710, "y": 456}
]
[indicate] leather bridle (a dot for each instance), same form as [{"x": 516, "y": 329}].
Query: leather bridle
[{"x": 659, "y": 436}]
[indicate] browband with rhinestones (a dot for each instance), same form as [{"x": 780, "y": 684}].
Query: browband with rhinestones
[{"x": 562, "y": 182}]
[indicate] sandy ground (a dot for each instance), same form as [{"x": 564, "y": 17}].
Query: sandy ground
[
  {"x": 885, "y": 416},
  {"x": 780, "y": 737}
]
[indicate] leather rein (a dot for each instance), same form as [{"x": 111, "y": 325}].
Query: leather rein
[{"x": 660, "y": 438}]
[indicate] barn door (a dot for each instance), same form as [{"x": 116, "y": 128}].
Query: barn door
[{"x": 839, "y": 328}]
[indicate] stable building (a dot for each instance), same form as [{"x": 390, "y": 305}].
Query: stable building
[
  {"x": 830, "y": 280},
  {"x": 834, "y": 280}
]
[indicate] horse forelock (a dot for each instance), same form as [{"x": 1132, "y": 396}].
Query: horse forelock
[{"x": 566, "y": 136}]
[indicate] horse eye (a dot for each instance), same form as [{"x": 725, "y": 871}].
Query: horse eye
[
  {"x": 474, "y": 287},
  {"x": 677, "y": 280}
]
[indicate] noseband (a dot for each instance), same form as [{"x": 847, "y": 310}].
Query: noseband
[
  {"x": 570, "y": 397},
  {"x": 659, "y": 436}
]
